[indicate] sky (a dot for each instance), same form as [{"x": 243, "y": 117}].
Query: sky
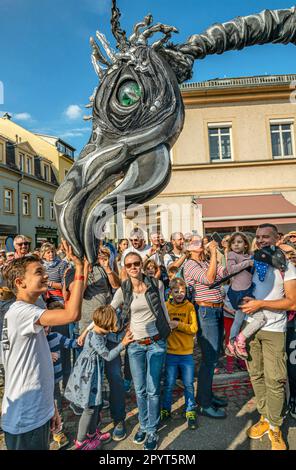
[{"x": 46, "y": 75}]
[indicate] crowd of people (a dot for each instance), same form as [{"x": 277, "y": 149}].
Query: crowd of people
[{"x": 133, "y": 319}]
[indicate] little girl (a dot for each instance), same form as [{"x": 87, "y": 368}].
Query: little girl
[
  {"x": 241, "y": 286},
  {"x": 84, "y": 388}
]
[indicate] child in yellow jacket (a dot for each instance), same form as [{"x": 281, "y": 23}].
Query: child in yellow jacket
[{"x": 180, "y": 351}]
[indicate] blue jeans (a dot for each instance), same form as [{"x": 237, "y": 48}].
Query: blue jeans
[
  {"x": 146, "y": 363},
  {"x": 237, "y": 324},
  {"x": 117, "y": 392},
  {"x": 210, "y": 334},
  {"x": 185, "y": 364}
]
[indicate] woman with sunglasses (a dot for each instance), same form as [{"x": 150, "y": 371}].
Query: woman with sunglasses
[{"x": 143, "y": 307}]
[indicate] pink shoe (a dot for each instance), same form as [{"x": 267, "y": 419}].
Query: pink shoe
[
  {"x": 104, "y": 437},
  {"x": 240, "y": 347},
  {"x": 89, "y": 444},
  {"x": 229, "y": 350}
]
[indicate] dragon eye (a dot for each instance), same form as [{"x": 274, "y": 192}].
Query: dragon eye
[{"x": 129, "y": 93}]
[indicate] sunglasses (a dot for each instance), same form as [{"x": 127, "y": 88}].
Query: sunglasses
[
  {"x": 137, "y": 264},
  {"x": 23, "y": 243}
]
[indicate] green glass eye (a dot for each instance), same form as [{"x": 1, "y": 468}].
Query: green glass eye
[{"x": 129, "y": 93}]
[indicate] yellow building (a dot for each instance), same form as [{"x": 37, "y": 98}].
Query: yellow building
[
  {"x": 31, "y": 168},
  {"x": 234, "y": 165}
]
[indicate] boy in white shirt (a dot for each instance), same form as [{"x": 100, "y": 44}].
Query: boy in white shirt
[{"x": 28, "y": 411}]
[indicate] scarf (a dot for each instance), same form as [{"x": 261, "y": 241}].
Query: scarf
[{"x": 53, "y": 263}]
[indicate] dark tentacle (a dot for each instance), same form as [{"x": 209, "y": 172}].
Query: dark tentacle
[{"x": 269, "y": 26}]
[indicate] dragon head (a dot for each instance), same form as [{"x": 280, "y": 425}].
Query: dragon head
[{"x": 137, "y": 116}]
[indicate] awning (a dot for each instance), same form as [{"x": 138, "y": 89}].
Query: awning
[{"x": 246, "y": 210}]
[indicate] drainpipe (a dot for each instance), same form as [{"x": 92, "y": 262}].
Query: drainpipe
[{"x": 19, "y": 206}]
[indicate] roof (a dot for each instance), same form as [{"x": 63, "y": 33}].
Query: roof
[{"x": 239, "y": 82}]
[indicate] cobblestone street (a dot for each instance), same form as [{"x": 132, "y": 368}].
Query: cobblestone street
[{"x": 228, "y": 434}]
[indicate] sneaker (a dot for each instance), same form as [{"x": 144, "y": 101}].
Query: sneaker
[
  {"x": 140, "y": 437},
  {"x": 76, "y": 410},
  {"x": 127, "y": 385},
  {"x": 104, "y": 437},
  {"x": 276, "y": 439},
  {"x": 219, "y": 402},
  {"x": 151, "y": 442},
  {"x": 229, "y": 350},
  {"x": 191, "y": 419},
  {"x": 240, "y": 346},
  {"x": 292, "y": 407},
  {"x": 164, "y": 415},
  {"x": 88, "y": 444},
  {"x": 119, "y": 431},
  {"x": 106, "y": 405},
  {"x": 212, "y": 412},
  {"x": 259, "y": 429},
  {"x": 60, "y": 439}
]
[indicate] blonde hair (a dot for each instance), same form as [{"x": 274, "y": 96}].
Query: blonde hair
[
  {"x": 46, "y": 247},
  {"x": 177, "y": 282},
  {"x": 245, "y": 239},
  {"x": 105, "y": 318},
  {"x": 148, "y": 262}
]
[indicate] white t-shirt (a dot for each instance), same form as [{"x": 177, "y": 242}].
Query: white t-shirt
[
  {"x": 168, "y": 259},
  {"x": 272, "y": 288},
  {"x": 142, "y": 253},
  {"x": 28, "y": 400}
]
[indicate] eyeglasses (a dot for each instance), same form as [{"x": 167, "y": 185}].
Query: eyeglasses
[
  {"x": 134, "y": 239},
  {"x": 23, "y": 243},
  {"x": 137, "y": 264}
]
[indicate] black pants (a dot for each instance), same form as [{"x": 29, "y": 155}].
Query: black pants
[{"x": 37, "y": 439}]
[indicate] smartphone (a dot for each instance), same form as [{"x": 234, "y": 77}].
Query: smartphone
[{"x": 216, "y": 237}]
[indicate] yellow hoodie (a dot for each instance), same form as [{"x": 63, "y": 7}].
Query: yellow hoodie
[{"x": 181, "y": 339}]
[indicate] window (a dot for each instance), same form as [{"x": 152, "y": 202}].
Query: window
[
  {"x": 46, "y": 172},
  {"x": 26, "y": 204},
  {"x": 220, "y": 143},
  {"x": 69, "y": 152},
  {"x": 51, "y": 211},
  {"x": 8, "y": 200},
  {"x": 282, "y": 139},
  {"x": 1, "y": 152},
  {"x": 61, "y": 148},
  {"x": 40, "y": 208},
  {"x": 22, "y": 162},
  {"x": 29, "y": 165}
]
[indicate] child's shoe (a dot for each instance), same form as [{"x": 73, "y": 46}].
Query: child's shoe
[
  {"x": 191, "y": 419},
  {"x": 104, "y": 437},
  {"x": 164, "y": 415},
  {"x": 229, "y": 350},
  {"x": 89, "y": 444},
  {"x": 240, "y": 347},
  {"x": 60, "y": 439}
]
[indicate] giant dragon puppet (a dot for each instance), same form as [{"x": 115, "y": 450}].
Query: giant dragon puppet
[{"x": 138, "y": 115}]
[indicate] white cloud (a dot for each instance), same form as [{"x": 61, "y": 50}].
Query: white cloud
[
  {"x": 22, "y": 116},
  {"x": 71, "y": 134},
  {"x": 73, "y": 112}
]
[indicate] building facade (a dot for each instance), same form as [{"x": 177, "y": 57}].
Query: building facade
[
  {"x": 234, "y": 164},
  {"x": 31, "y": 169}
]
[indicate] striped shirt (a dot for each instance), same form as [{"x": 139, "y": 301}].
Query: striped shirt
[
  {"x": 55, "y": 271},
  {"x": 56, "y": 341},
  {"x": 195, "y": 275}
]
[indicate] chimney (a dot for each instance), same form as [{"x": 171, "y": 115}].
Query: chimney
[{"x": 7, "y": 116}]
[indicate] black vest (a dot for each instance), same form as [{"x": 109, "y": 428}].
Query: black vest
[{"x": 153, "y": 300}]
